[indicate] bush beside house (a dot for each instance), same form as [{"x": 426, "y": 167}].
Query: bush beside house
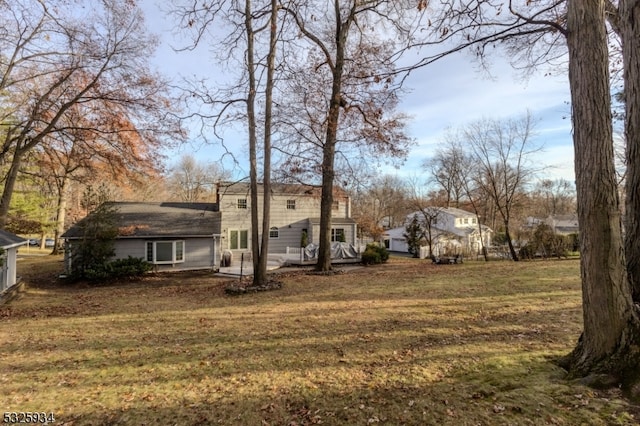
[
  {"x": 375, "y": 254},
  {"x": 94, "y": 251}
]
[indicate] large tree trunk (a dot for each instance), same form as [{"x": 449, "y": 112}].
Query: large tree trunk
[
  {"x": 260, "y": 273},
  {"x": 61, "y": 213},
  {"x": 512, "y": 249},
  {"x": 326, "y": 202},
  {"x": 629, "y": 26},
  {"x": 329, "y": 149},
  {"x": 9, "y": 186},
  {"x": 610, "y": 324},
  {"x": 253, "y": 138}
]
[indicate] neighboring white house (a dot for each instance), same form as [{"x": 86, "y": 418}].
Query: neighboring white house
[
  {"x": 9, "y": 243},
  {"x": 454, "y": 231},
  {"x": 295, "y": 209}
]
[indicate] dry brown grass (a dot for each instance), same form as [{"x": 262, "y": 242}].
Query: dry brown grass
[{"x": 403, "y": 343}]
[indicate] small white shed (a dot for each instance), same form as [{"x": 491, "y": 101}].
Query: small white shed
[{"x": 9, "y": 243}]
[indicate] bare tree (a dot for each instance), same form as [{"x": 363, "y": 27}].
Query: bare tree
[
  {"x": 248, "y": 22},
  {"x": 55, "y": 61},
  {"x": 428, "y": 219},
  {"x": 344, "y": 43},
  {"x": 261, "y": 251},
  {"x": 502, "y": 154},
  {"x": 194, "y": 181},
  {"x": 381, "y": 204},
  {"x": 554, "y": 197},
  {"x": 445, "y": 168},
  {"x": 457, "y": 170},
  {"x": 428, "y": 215}
]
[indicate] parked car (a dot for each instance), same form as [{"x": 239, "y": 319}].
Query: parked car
[{"x": 48, "y": 242}]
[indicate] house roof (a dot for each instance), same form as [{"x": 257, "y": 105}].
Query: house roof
[
  {"x": 278, "y": 188},
  {"x": 451, "y": 211},
  {"x": 460, "y": 232},
  {"x": 562, "y": 224},
  {"x": 9, "y": 240},
  {"x": 458, "y": 212},
  {"x": 167, "y": 219}
]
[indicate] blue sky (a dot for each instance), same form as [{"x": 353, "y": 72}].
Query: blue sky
[
  {"x": 450, "y": 93},
  {"x": 454, "y": 92}
]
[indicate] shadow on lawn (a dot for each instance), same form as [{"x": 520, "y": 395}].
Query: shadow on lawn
[
  {"x": 406, "y": 353},
  {"x": 527, "y": 391}
]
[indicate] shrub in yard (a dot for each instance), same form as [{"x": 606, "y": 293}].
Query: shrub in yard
[
  {"x": 375, "y": 254},
  {"x": 371, "y": 257},
  {"x": 129, "y": 267},
  {"x": 384, "y": 253},
  {"x": 527, "y": 251},
  {"x": 119, "y": 268}
]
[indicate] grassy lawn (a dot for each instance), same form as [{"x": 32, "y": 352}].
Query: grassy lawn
[{"x": 404, "y": 343}]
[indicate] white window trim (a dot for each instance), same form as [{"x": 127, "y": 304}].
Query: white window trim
[
  {"x": 276, "y": 230},
  {"x": 173, "y": 252}
]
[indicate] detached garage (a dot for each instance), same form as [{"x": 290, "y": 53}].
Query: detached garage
[{"x": 395, "y": 240}]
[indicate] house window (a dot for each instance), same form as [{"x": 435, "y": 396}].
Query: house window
[
  {"x": 337, "y": 235},
  {"x": 238, "y": 240},
  {"x": 274, "y": 232},
  {"x": 336, "y": 205},
  {"x": 466, "y": 220},
  {"x": 291, "y": 204},
  {"x": 164, "y": 252},
  {"x": 473, "y": 220},
  {"x": 242, "y": 203}
]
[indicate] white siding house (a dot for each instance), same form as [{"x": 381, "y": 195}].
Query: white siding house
[{"x": 454, "y": 231}]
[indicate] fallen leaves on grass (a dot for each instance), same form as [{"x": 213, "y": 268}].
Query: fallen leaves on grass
[{"x": 402, "y": 343}]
